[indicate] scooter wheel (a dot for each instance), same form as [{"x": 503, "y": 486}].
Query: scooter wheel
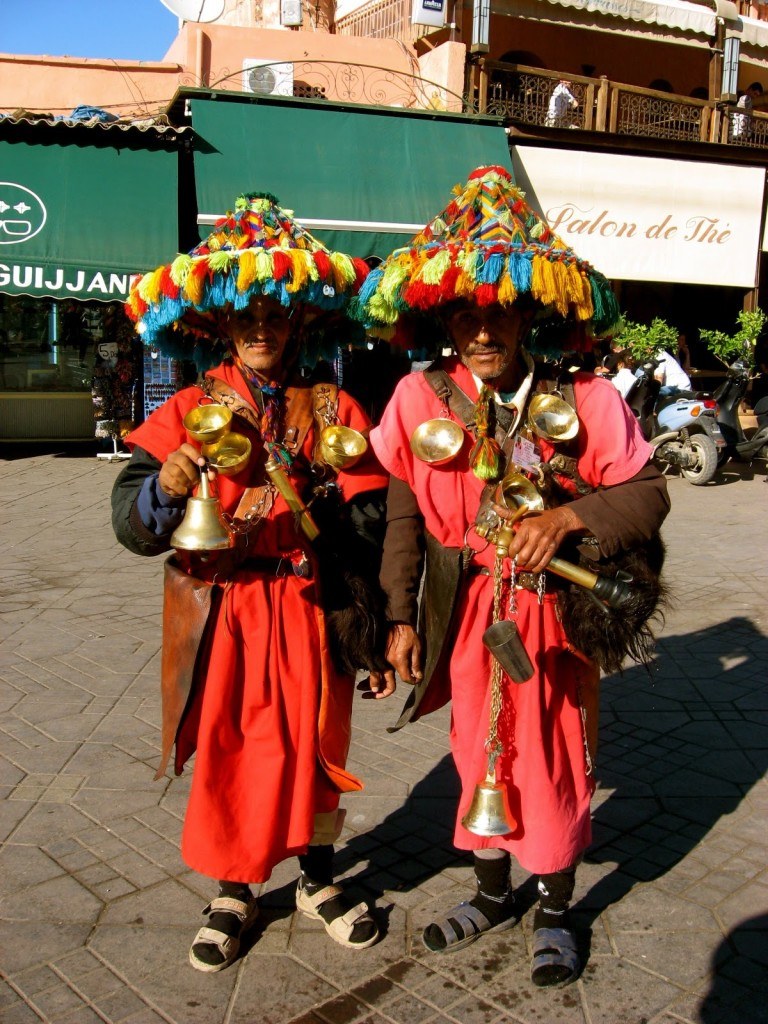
[{"x": 705, "y": 465}]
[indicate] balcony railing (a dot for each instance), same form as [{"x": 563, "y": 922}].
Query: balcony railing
[
  {"x": 382, "y": 19},
  {"x": 530, "y": 96}
]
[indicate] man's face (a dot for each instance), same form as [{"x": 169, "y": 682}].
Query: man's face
[
  {"x": 260, "y": 333},
  {"x": 487, "y": 339}
]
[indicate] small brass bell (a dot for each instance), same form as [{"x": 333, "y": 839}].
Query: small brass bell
[
  {"x": 203, "y": 527},
  {"x": 489, "y": 813}
]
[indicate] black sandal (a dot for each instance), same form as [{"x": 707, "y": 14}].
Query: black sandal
[
  {"x": 555, "y": 958},
  {"x": 472, "y": 924}
]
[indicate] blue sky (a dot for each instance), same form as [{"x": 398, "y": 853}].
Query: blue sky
[{"x": 124, "y": 29}]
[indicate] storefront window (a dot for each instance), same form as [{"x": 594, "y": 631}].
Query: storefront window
[{"x": 47, "y": 345}]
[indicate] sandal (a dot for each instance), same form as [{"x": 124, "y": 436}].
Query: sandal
[
  {"x": 227, "y": 945},
  {"x": 340, "y": 928},
  {"x": 472, "y": 922},
  {"x": 555, "y": 957}
]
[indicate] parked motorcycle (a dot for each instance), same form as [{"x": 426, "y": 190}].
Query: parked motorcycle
[
  {"x": 682, "y": 428},
  {"x": 729, "y": 397}
]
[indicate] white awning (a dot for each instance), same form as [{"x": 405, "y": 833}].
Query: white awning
[{"x": 672, "y": 13}]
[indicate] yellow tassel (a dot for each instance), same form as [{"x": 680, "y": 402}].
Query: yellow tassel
[
  {"x": 300, "y": 270},
  {"x": 343, "y": 271},
  {"x": 263, "y": 265},
  {"x": 149, "y": 286},
  {"x": 194, "y": 287},
  {"x": 507, "y": 290},
  {"x": 433, "y": 272},
  {"x": 464, "y": 287},
  {"x": 246, "y": 273},
  {"x": 180, "y": 269}
]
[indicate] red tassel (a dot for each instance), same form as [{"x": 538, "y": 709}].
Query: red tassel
[
  {"x": 486, "y": 294},
  {"x": 361, "y": 271},
  {"x": 167, "y": 285},
  {"x": 448, "y": 284},
  {"x": 281, "y": 263},
  {"x": 323, "y": 264},
  {"x": 421, "y": 296}
]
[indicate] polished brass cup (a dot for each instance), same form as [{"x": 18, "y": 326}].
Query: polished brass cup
[
  {"x": 229, "y": 454},
  {"x": 437, "y": 441},
  {"x": 552, "y": 418},
  {"x": 340, "y": 447},
  {"x": 207, "y": 424},
  {"x": 489, "y": 813},
  {"x": 516, "y": 490}
]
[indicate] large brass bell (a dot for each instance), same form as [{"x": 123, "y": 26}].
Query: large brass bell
[
  {"x": 552, "y": 418},
  {"x": 489, "y": 813},
  {"x": 437, "y": 441},
  {"x": 340, "y": 447},
  {"x": 203, "y": 527},
  {"x": 226, "y": 451}
]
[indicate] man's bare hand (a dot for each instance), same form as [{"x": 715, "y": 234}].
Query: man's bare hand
[
  {"x": 538, "y": 535},
  {"x": 403, "y": 652},
  {"x": 380, "y": 684},
  {"x": 180, "y": 473}
]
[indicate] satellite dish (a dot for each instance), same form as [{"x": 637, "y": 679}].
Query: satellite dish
[{"x": 196, "y": 10}]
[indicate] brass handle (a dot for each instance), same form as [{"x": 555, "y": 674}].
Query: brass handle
[{"x": 280, "y": 479}]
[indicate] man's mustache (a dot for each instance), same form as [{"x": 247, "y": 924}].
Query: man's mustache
[{"x": 473, "y": 350}]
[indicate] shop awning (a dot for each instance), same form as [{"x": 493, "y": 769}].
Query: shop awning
[
  {"x": 676, "y": 14},
  {"x": 77, "y": 219},
  {"x": 364, "y": 180}
]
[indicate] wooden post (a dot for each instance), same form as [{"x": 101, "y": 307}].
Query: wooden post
[
  {"x": 589, "y": 106},
  {"x": 602, "y": 105}
]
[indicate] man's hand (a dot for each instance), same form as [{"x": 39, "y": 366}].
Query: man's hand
[
  {"x": 379, "y": 684},
  {"x": 180, "y": 473},
  {"x": 403, "y": 652},
  {"x": 539, "y": 534}
]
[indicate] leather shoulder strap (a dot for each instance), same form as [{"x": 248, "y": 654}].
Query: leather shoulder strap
[
  {"x": 462, "y": 405},
  {"x": 299, "y": 409}
]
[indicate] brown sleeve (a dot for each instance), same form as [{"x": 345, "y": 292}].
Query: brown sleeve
[
  {"x": 402, "y": 559},
  {"x": 623, "y": 516}
]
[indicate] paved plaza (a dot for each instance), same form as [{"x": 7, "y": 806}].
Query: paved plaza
[{"x": 97, "y": 909}]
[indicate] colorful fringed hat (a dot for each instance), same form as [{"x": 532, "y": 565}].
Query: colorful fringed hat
[
  {"x": 487, "y": 246},
  {"x": 256, "y": 250}
]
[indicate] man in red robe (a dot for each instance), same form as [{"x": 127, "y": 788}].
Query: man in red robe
[
  {"x": 262, "y": 691},
  {"x": 484, "y": 274}
]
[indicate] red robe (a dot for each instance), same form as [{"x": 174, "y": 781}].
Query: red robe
[
  {"x": 544, "y": 764},
  {"x": 271, "y": 724}
]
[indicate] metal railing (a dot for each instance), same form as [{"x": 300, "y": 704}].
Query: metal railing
[
  {"x": 382, "y": 19},
  {"x": 531, "y": 96}
]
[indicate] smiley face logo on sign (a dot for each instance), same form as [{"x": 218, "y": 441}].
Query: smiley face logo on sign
[{"x": 22, "y": 213}]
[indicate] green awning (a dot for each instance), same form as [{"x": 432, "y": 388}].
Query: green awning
[
  {"x": 77, "y": 220},
  {"x": 364, "y": 180}
]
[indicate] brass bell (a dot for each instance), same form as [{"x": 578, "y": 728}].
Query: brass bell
[
  {"x": 552, "y": 418},
  {"x": 489, "y": 813},
  {"x": 437, "y": 441},
  {"x": 341, "y": 447},
  {"x": 203, "y": 527}
]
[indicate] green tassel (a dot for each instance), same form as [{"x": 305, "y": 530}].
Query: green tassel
[{"x": 485, "y": 458}]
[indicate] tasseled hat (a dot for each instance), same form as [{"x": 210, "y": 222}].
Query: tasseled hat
[
  {"x": 487, "y": 246},
  {"x": 258, "y": 249}
]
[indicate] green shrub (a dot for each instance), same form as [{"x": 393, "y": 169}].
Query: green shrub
[
  {"x": 645, "y": 341},
  {"x": 741, "y": 345}
]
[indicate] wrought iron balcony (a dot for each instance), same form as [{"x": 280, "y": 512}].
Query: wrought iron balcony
[{"x": 529, "y": 96}]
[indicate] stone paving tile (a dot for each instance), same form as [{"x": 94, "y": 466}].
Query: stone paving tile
[{"x": 680, "y": 844}]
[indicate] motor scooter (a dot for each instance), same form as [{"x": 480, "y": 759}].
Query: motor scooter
[
  {"x": 729, "y": 397},
  {"x": 682, "y": 427}
]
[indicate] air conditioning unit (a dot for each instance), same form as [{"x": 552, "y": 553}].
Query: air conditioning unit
[{"x": 267, "y": 77}]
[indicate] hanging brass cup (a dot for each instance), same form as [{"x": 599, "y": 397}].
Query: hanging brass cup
[
  {"x": 552, "y": 418},
  {"x": 207, "y": 424},
  {"x": 229, "y": 454},
  {"x": 226, "y": 451},
  {"x": 340, "y": 447},
  {"x": 516, "y": 490},
  {"x": 437, "y": 441}
]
